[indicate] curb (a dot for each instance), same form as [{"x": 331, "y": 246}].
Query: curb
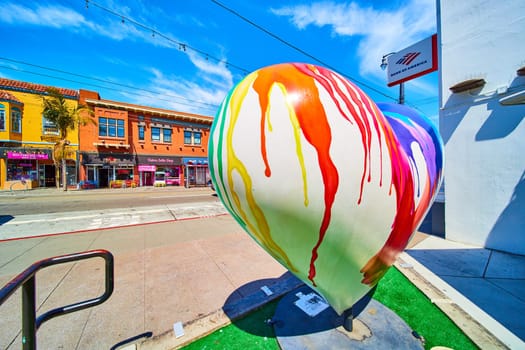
[{"x": 201, "y": 327}]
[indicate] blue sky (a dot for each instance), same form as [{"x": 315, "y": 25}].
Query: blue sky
[{"x": 186, "y": 55}]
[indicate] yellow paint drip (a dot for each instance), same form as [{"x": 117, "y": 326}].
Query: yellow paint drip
[{"x": 261, "y": 230}]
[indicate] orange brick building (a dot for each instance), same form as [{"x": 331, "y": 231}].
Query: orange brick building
[{"x": 133, "y": 145}]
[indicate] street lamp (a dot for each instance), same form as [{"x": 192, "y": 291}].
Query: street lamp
[{"x": 384, "y": 64}]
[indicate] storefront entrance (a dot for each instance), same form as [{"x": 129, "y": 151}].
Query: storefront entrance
[
  {"x": 104, "y": 176},
  {"x": 147, "y": 178}
]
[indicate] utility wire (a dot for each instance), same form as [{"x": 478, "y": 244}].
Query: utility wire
[
  {"x": 103, "y": 87},
  {"x": 182, "y": 46},
  {"x": 105, "y": 81},
  {"x": 287, "y": 43}
]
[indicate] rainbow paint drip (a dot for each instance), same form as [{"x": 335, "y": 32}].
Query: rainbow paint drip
[{"x": 326, "y": 181}]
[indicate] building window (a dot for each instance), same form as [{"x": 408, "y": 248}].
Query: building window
[
  {"x": 48, "y": 127},
  {"x": 161, "y": 134},
  {"x": 109, "y": 127},
  {"x": 16, "y": 120},
  {"x": 166, "y": 135},
  {"x": 192, "y": 137},
  {"x": 2, "y": 117},
  {"x": 141, "y": 132},
  {"x": 197, "y": 138},
  {"x": 187, "y": 137},
  {"x": 155, "y": 134}
]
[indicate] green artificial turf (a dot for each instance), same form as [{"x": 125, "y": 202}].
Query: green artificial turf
[
  {"x": 397, "y": 293},
  {"x": 394, "y": 291}
]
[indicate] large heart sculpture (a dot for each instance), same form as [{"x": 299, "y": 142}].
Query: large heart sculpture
[{"x": 326, "y": 181}]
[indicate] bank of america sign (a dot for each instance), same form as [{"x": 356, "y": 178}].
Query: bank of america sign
[{"x": 414, "y": 61}]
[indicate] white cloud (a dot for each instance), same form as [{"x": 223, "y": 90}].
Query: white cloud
[
  {"x": 209, "y": 84},
  {"x": 49, "y": 16},
  {"x": 181, "y": 94},
  {"x": 381, "y": 30}
]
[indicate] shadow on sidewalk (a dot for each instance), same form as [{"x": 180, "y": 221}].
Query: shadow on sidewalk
[
  {"x": 5, "y": 218},
  {"x": 251, "y": 297}
]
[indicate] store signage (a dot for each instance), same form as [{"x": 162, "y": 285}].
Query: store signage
[
  {"x": 412, "y": 62},
  {"x": 161, "y": 160},
  {"x": 147, "y": 168},
  {"x": 19, "y": 155},
  {"x": 199, "y": 161}
]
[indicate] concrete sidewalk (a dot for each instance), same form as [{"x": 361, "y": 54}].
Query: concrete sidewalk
[
  {"x": 164, "y": 274},
  {"x": 202, "y": 271}
]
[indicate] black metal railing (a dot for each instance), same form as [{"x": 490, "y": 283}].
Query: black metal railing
[{"x": 27, "y": 280}]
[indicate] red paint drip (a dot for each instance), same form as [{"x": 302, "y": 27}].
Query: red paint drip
[{"x": 314, "y": 126}]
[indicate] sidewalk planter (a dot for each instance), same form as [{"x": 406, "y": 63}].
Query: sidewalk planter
[{"x": 122, "y": 184}]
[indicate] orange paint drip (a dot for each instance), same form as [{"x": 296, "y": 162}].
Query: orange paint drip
[{"x": 314, "y": 125}]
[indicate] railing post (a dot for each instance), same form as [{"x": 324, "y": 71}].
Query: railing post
[{"x": 29, "y": 315}]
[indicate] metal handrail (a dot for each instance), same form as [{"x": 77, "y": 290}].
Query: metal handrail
[{"x": 27, "y": 280}]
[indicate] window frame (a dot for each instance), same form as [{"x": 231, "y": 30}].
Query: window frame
[
  {"x": 2, "y": 117},
  {"x": 156, "y": 129},
  {"x": 16, "y": 120},
  {"x": 192, "y": 138},
  {"x": 111, "y": 127},
  {"x": 50, "y": 125},
  {"x": 169, "y": 138}
]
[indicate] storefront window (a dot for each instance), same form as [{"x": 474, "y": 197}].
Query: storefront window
[
  {"x": 21, "y": 169},
  {"x": 172, "y": 175},
  {"x": 125, "y": 174}
]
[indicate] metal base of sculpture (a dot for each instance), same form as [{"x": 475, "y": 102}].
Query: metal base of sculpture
[{"x": 303, "y": 320}]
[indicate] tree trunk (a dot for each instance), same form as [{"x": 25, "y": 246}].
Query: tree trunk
[
  {"x": 57, "y": 175},
  {"x": 64, "y": 174}
]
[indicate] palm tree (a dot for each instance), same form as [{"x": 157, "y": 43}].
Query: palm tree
[{"x": 65, "y": 119}]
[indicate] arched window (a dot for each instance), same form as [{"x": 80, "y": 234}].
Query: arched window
[
  {"x": 16, "y": 120},
  {"x": 2, "y": 117}
]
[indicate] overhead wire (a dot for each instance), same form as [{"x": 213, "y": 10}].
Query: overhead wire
[
  {"x": 104, "y": 81},
  {"x": 182, "y": 46},
  {"x": 100, "y": 86},
  {"x": 246, "y": 71},
  {"x": 296, "y": 48}
]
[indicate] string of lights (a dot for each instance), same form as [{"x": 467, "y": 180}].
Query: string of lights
[{"x": 184, "y": 46}]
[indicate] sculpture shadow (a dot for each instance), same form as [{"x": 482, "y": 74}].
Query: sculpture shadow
[
  {"x": 241, "y": 305},
  {"x": 5, "y": 219}
]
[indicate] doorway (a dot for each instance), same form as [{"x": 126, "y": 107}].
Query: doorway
[{"x": 104, "y": 177}]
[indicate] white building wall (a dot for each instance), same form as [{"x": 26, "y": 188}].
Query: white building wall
[{"x": 484, "y": 140}]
